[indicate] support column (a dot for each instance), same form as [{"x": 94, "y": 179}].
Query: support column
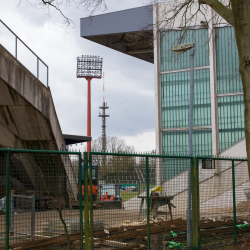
[
  {"x": 89, "y": 114},
  {"x": 157, "y": 83}
]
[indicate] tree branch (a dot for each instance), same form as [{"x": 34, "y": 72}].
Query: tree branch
[{"x": 221, "y": 9}]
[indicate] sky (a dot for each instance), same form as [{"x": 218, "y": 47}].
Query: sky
[{"x": 129, "y": 82}]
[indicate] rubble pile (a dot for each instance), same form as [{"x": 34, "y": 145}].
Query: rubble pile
[
  {"x": 56, "y": 227},
  {"x": 132, "y": 234},
  {"x": 243, "y": 206}
]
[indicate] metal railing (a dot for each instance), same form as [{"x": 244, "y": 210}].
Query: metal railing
[{"x": 11, "y": 42}]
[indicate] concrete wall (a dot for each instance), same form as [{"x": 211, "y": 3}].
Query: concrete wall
[{"x": 27, "y": 113}]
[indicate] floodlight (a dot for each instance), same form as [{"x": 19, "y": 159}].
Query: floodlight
[
  {"x": 182, "y": 48},
  {"x": 89, "y": 66}
]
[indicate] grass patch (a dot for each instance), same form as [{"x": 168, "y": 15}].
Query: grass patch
[{"x": 128, "y": 195}]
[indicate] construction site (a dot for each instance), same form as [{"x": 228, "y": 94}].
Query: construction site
[
  {"x": 128, "y": 212},
  {"x": 53, "y": 198}
]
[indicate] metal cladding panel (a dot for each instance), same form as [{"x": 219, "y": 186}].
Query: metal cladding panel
[{"x": 130, "y": 20}]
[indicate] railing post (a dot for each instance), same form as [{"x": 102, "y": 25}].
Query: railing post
[
  {"x": 91, "y": 202},
  {"x": 37, "y": 68},
  {"x": 7, "y": 222},
  {"x": 195, "y": 204},
  {"x": 16, "y": 47},
  {"x": 86, "y": 202},
  {"x": 234, "y": 203},
  {"x": 80, "y": 200},
  {"x": 148, "y": 203},
  {"x": 47, "y": 76}
]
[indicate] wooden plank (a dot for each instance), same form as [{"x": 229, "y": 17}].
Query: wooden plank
[{"x": 195, "y": 204}]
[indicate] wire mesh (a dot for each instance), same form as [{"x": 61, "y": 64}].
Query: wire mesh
[
  {"x": 175, "y": 189},
  {"x": 221, "y": 187},
  {"x": 120, "y": 180},
  {"x": 134, "y": 206},
  {"x": 2, "y": 198},
  {"x": 128, "y": 202},
  {"x": 242, "y": 201},
  {"x": 42, "y": 192}
]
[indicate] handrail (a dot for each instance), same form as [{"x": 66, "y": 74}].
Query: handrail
[{"x": 38, "y": 58}]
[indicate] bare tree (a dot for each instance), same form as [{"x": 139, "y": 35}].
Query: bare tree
[
  {"x": 87, "y": 6},
  {"x": 112, "y": 163},
  {"x": 113, "y": 144}
]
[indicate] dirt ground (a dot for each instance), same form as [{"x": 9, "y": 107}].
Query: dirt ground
[{"x": 116, "y": 218}]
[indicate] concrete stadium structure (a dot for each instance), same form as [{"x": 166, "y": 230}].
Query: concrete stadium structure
[
  {"x": 218, "y": 95},
  {"x": 218, "y": 100}
]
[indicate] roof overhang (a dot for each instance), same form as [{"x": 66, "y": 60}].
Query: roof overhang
[
  {"x": 128, "y": 31},
  {"x": 73, "y": 139}
]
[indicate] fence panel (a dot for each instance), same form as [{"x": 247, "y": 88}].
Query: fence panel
[
  {"x": 169, "y": 202},
  {"x": 136, "y": 205},
  {"x": 221, "y": 187},
  {"x": 216, "y": 199},
  {"x": 242, "y": 202},
  {"x": 3, "y": 186},
  {"x": 117, "y": 180},
  {"x": 42, "y": 194},
  {"x": 129, "y": 203}
]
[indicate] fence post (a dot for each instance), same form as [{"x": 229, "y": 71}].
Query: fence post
[
  {"x": 33, "y": 209},
  {"x": 148, "y": 203},
  {"x": 91, "y": 202},
  {"x": 86, "y": 202},
  {"x": 234, "y": 203},
  {"x": 7, "y": 201},
  {"x": 80, "y": 200},
  {"x": 12, "y": 212},
  {"x": 195, "y": 204}
]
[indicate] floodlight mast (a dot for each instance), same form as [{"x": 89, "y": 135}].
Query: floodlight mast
[{"x": 89, "y": 67}]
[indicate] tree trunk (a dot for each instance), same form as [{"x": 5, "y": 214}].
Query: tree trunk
[{"x": 241, "y": 12}]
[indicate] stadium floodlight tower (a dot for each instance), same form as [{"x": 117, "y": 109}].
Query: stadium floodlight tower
[{"x": 89, "y": 67}]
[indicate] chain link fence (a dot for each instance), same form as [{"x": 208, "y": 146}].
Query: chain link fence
[
  {"x": 38, "y": 192},
  {"x": 69, "y": 200}
]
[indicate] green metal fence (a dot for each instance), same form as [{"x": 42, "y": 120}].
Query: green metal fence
[
  {"x": 38, "y": 191},
  {"x": 69, "y": 200}
]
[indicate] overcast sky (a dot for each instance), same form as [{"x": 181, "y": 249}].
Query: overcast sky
[{"x": 129, "y": 83}]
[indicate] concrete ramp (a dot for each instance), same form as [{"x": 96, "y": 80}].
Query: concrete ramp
[
  {"x": 28, "y": 117},
  {"x": 215, "y": 184}
]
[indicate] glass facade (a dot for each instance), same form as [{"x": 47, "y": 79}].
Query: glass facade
[
  {"x": 230, "y": 108},
  {"x": 175, "y": 92},
  {"x": 227, "y": 62},
  {"x": 170, "y": 61},
  {"x": 176, "y": 142},
  {"x": 231, "y": 120}
]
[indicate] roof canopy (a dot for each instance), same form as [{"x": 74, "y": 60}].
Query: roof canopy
[
  {"x": 73, "y": 139},
  {"x": 128, "y": 31}
]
